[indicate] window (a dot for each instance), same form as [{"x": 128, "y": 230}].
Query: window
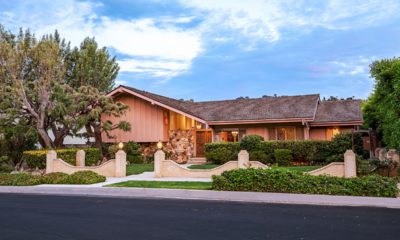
[
  {"x": 286, "y": 133},
  {"x": 331, "y": 132}
]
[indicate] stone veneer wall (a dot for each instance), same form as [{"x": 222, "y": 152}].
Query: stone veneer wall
[{"x": 179, "y": 148}]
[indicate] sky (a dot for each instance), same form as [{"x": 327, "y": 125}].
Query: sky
[{"x": 224, "y": 49}]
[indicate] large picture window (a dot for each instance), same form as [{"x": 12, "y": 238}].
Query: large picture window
[{"x": 286, "y": 133}]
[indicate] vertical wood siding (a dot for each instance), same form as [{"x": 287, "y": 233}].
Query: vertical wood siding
[{"x": 147, "y": 121}]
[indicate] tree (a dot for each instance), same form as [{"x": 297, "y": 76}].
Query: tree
[
  {"x": 96, "y": 105},
  {"x": 54, "y": 89},
  {"x": 91, "y": 66},
  {"x": 29, "y": 70},
  {"x": 94, "y": 67},
  {"x": 381, "y": 110}
]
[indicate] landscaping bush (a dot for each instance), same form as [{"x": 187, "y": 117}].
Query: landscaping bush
[
  {"x": 37, "y": 158},
  {"x": 278, "y": 180},
  {"x": 220, "y": 153},
  {"x": 54, "y": 178},
  {"x": 85, "y": 177},
  {"x": 19, "y": 179},
  {"x": 262, "y": 157},
  {"x": 283, "y": 157},
  {"x": 24, "y": 179},
  {"x": 133, "y": 152},
  {"x": 310, "y": 152},
  {"x": 250, "y": 142}
]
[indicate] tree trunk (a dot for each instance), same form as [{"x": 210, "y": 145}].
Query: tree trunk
[
  {"x": 94, "y": 130},
  {"x": 45, "y": 138}
]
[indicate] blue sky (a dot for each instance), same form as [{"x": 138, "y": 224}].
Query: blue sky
[{"x": 208, "y": 49}]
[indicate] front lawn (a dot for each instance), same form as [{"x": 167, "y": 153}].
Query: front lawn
[
  {"x": 298, "y": 168},
  {"x": 160, "y": 184},
  {"x": 135, "y": 168},
  {"x": 204, "y": 166}
]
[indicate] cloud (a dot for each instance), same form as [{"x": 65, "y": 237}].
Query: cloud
[
  {"x": 358, "y": 66},
  {"x": 267, "y": 20},
  {"x": 155, "y": 46}
]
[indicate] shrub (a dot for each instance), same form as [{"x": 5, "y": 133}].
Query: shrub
[
  {"x": 55, "y": 178},
  {"x": 6, "y": 168},
  {"x": 311, "y": 152},
  {"x": 133, "y": 152},
  {"x": 262, "y": 157},
  {"x": 283, "y": 157},
  {"x": 19, "y": 179},
  {"x": 85, "y": 177},
  {"x": 220, "y": 153},
  {"x": 37, "y": 158},
  {"x": 278, "y": 180},
  {"x": 250, "y": 142},
  {"x": 24, "y": 179}
]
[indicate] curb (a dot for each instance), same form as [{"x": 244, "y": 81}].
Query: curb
[{"x": 207, "y": 195}]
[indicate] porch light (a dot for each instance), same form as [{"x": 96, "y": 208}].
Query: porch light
[
  {"x": 234, "y": 134},
  {"x": 120, "y": 146},
  {"x": 198, "y": 126},
  {"x": 159, "y": 145}
]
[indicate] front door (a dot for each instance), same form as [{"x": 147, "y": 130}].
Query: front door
[{"x": 202, "y": 137}]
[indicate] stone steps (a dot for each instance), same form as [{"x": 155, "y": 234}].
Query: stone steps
[{"x": 197, "y": 161}]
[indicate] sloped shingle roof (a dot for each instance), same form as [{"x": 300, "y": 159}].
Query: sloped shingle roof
[
  {"x": 265, "y": 108},
  {"x": 339, "y": 111}
]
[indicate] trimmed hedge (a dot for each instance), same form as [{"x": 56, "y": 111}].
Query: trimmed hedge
[
  {"x": 283, "y": 157},
  {"x": 37, "y": 158},
  {"x": 24, "y": 179},
  {"x": 284, "y": 181},
  {"x": 308, "y": 151},
  {"x": 220, "y": 153}
]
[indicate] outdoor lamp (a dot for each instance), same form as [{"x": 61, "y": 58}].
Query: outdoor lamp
[
  {"x": 159, "y": 145},
  {"x": 198, "y": 126},
  {"x": 234, "y": 133},
  {"x": 120, "y": 146}
]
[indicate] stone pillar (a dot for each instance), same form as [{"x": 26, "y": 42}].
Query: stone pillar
[
  {"x": 393, "y": 155},
  {"x": 159, "y": 157},
  {"x": 50, "y": 157},
  {"x": 350, "y": 169},
  {"x": 243, "y": 159},
  {"x": 120, "y": 164},
  {"x": 80, "y": 158}
]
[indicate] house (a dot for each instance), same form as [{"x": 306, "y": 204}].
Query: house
[{"x": 186, "y": 126}]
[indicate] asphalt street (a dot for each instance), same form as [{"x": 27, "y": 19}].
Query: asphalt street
[{"x": 61, "y": 217}]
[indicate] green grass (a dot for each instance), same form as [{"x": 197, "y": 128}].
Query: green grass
[
  {"x": 204, "y": 166},
  {"x": 135, "y": 168},
  {"x": 159, "y": 184},
  {"x": 299, "y": 168}
]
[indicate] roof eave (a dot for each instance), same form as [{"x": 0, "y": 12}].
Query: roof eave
[
  {"x": 122, "y": 89},
  {"x": 337, "y": 123}
]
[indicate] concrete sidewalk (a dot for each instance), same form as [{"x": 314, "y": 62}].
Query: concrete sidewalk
[
  {"x": 146, "y": 176},
  {"x": 208, "y": 195}
]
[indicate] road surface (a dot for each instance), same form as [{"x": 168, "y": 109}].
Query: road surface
[{"x": 60, "y": 217}]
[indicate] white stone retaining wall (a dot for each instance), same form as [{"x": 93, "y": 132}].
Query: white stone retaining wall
[{"x": 112, "y": 168}]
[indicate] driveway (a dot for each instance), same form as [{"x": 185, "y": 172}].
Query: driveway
[{"x": 59, "y": 217}]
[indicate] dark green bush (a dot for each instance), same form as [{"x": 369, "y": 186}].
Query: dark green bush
[
  {"x": 283, "y": 157},
  {"x": 278, "y": 180},
  {"x": 220, "y": 153},
  {"x": 37, "y": 158},
  {"x": 250, "y": 142},
  {"x": 133, "y": 152},
  {"x": 262, "y": 157},
  {"x": 85, "y": 177},
  {"x": 311, "y": 152}
]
